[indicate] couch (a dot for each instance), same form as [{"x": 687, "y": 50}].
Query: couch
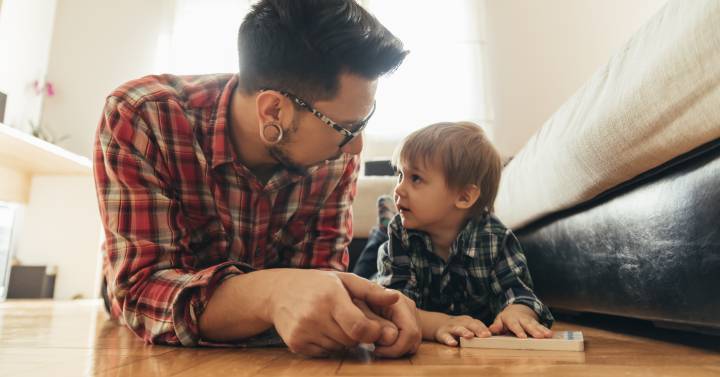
[{"x": 616, "y": 199}]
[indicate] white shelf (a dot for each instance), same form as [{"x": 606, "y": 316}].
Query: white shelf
[{"x": 30, "y": 155}]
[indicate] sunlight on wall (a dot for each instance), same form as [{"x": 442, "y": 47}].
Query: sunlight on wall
[
  {"x": 443, "y": 77},
  {"x": 204, "y": 37}
]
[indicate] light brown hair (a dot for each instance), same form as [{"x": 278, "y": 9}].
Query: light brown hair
[{"x": 463, "y": 153}]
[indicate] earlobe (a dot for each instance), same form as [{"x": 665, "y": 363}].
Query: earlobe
[
  {"x": 467, "y": 197},
  {"x": 271, "y": 133},
  {"x": 268, "y": 115}
]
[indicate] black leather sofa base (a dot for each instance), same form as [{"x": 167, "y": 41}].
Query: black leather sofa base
[{"x": 648, "y": 249}]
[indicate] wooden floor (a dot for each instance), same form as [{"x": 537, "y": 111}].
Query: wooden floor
[{"x": 45, "y": 338}]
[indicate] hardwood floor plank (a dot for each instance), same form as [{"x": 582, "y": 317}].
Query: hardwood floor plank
[{"x": 46, "y": 338}]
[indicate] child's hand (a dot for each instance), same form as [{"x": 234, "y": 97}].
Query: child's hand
[
  {"x": 519, "y": 319},
  {"x": 461, "y": 326}
]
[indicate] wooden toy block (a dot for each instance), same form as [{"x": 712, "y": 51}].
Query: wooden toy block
[{"x": 561, "y": 341}]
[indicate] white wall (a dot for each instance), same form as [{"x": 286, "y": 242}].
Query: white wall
[
  {"x": 541, "y": 52},
  {"x": 62, "y": 229},
  {"x": 25, "y": 34},
  {"x": 96, "y": 46}
]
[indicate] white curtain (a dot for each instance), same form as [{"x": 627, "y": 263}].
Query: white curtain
[{"x": 441, "y": 80}]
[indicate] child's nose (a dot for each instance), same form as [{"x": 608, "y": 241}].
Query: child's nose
[{"x": 399, "y": 190}]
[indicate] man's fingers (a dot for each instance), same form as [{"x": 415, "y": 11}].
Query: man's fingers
[
  {"x": 354, "y": 323},
  {"x": 404, "y": 315},
  {"x": 403, "y": 346},
  {"x": 389, "y": 336},
  {"x": 329, "y": 344},
  {"x": 337, "y": 334},
  {"x": 368, "y": 291},
  {"x": 389, "y": 330}
]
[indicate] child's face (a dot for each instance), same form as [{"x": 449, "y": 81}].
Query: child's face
[{"x": 423, "y": 199}]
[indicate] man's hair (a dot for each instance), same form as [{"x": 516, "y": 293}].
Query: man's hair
[
  {"x": 302, "y": 46},
  {"x": 462, "y": 152}
]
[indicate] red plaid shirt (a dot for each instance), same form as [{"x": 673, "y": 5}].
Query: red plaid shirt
[{"x": 180, "y": 215}]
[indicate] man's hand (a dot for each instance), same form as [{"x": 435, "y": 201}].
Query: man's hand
[
  {"x": 404, "y": 315},
  {"x": 314, "y": 313},
  {"x": 312, "y": 310},
  {"x": 519, "y": 319}
]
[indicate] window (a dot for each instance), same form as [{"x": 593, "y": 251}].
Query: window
[
  {"x": 204, "y": 36},
  {"x": 442, "y": 79}
]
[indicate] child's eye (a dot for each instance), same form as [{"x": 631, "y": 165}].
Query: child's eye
[
  {"x": 416, "y": 178},
  {"x": 400, "y": 176}
]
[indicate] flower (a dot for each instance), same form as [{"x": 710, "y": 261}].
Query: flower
[{"x": 44, "y": 88}]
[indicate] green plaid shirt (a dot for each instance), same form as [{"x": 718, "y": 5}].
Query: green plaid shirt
[{"x": 486, "y": 271}]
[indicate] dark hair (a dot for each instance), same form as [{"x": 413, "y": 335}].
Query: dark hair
[{"x": 302, "y": 46}]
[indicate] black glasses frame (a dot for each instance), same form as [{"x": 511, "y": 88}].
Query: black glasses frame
[{"x": 345, "y": 131}]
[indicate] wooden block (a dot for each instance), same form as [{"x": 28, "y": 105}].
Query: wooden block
[{"x": 561, "y": 341}]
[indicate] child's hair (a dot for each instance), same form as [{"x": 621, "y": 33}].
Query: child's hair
[{"x": 462, "y": 152}]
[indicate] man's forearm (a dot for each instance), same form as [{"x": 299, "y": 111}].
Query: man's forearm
[{"x": 239, "y": 308}]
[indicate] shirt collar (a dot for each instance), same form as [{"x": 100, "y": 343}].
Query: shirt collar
[
  {"x": 222, "y": 149},
  {"x": 463, "y": 242}
]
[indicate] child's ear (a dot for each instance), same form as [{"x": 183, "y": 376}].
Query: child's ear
[{"x": 467, "y": 197}]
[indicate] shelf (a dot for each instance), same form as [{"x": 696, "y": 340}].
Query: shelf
[{"x": 29, "y": 155}]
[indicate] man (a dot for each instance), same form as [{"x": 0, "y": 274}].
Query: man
[{"x": 226, "y": 198}]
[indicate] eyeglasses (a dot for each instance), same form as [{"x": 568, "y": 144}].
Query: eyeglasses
[{"x": 348, "y": 131}]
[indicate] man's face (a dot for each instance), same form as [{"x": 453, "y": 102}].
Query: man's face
[{"x": 308, "y": 141}]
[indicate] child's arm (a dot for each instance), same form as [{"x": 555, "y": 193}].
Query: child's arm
[
  {"x": 522, "y": 312},
  {"x": 445, "y": 328},
  {"x": 394, "y": 269}
]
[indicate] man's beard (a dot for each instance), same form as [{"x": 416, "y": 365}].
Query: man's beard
[
  {"x": 277, "y": 151},
  {"x": 279, "y": 154}
]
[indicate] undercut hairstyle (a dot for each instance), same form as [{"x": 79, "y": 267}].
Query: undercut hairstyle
[
  {"x": 462, "y": 152},
  {"x": 302, "y": 46}
]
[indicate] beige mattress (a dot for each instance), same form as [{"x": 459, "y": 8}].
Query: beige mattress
[{"x": 658, "y": 98}]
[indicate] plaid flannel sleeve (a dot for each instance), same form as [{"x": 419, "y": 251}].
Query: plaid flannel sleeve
[
  {"x": 395, "y": 270},
  {"x": 511, "y": 279},
  {"x": 152, "y": 283}
]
